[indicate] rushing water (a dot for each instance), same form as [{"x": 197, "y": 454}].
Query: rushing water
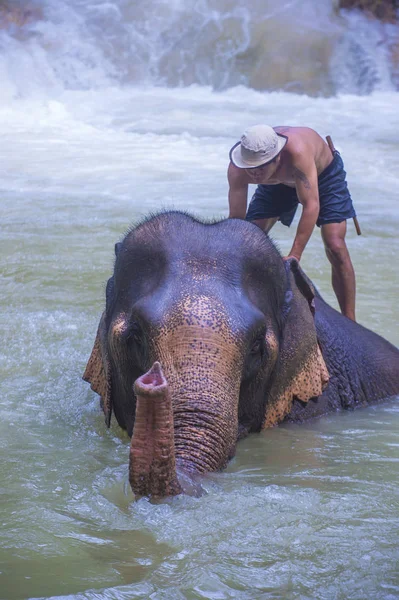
[{"x": 307, "y": 511}]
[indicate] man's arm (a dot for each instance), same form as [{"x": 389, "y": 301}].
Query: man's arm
[
  {"x": 238, "y": 192},
  {"x": 306, "y": 183}
]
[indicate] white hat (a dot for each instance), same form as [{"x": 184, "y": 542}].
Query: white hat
[{"x": 258, "y": 146}]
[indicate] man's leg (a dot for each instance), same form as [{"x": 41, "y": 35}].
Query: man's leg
[
  {"x": 265, "y": 224},
  {"x": 343, "y": 274}
]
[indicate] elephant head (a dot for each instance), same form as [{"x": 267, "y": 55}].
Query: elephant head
[{"x": 207, "y": 335}]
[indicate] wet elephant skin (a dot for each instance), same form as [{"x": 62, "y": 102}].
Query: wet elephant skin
[{"x": 242, "y": 339}]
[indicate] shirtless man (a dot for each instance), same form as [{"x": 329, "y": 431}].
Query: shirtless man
[{"x": 291, "y": 165}]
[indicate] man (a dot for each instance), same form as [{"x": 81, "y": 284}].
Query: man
[{"x": 291, "y": 165}]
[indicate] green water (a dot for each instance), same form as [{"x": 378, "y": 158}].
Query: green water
[{"x": 302, "y": 512}]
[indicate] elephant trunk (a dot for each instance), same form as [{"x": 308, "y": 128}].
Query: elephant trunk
[
  {"x": 152, "y": 467},
  {"x": 203, "y": 437}
]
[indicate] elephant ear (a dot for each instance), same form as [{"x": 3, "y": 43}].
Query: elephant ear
[
  {"x": 300, "y": 371},
  {"x": 98, "y": 371}
]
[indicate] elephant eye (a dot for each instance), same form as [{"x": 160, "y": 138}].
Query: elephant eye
[
  {"x": 258, "y": 345},
  {"x": 134, "y": 333}
]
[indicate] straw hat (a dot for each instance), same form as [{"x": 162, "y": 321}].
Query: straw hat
[{"x": 258, "y": 146}]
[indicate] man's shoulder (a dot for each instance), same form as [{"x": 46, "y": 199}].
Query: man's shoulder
[
  {"x": 236, "y": 175},
  {"x": 301, "y": 146}
]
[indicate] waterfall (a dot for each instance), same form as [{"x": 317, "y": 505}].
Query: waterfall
[{"x": 294, "y": 45}]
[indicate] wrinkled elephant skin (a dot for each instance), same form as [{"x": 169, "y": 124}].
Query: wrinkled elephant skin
[{"x": 209, "y": 335}]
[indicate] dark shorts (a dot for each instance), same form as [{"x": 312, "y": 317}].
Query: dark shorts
[{"x": 281, "y": 201}]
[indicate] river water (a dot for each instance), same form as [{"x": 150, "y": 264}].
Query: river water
[{"x": 302, "y": 512}]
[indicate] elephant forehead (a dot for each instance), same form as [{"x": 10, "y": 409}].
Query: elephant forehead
[
  {"x": 202, "y": 315},
  {"x": 200, "y": 267}
]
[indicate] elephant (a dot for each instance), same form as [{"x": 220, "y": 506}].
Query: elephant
[{"x": 208, "y": 335}]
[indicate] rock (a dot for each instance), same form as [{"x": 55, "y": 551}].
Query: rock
[
  {"x": 384, "y": 10},
  {"x": 17, "y": 15}
]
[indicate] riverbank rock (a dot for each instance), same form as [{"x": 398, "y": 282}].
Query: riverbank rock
[
  {"x": 12, "y": 14},
  {"x": 383, "y": 10}
]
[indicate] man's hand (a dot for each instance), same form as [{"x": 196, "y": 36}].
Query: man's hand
[{"x": 298, "y": 258}]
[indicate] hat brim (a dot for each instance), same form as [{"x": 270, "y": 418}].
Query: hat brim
[{"x": 237, "y": 160}]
